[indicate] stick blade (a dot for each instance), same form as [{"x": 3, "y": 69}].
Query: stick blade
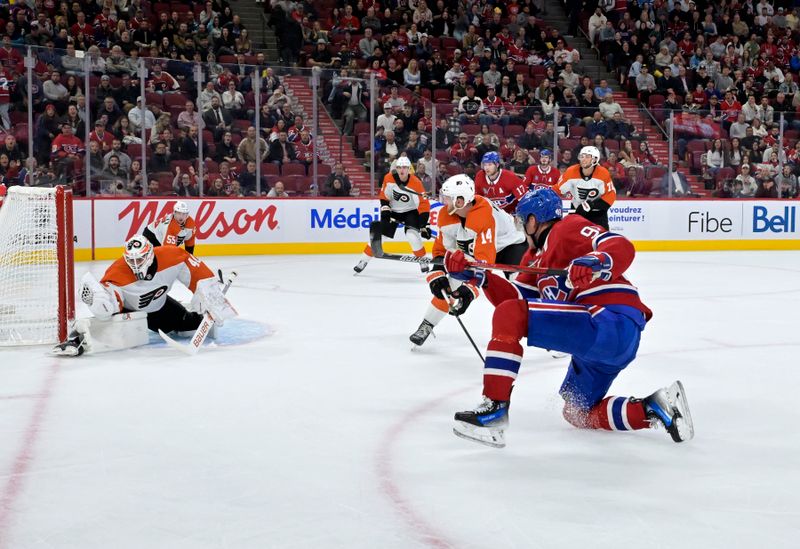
[{"x": 190, "y": 350}]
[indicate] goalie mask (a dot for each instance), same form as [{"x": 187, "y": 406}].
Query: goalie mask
[
  {"x": 456, "y": 192},
  {"x": 180, "y": 213},
  {"x": 138, "y": 255}
]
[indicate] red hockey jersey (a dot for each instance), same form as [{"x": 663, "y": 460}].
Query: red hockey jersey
[
  {"x": 570, "y": 238},
  {"x": 504, "y": 191},
  {"x": 536, "y": 177}
]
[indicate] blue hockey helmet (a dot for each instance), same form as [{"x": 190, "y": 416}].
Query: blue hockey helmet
[
  {"x": 546, "y": 152},
  {"x": 543, "y": 204},
  {"x": 491, "y": 156}
]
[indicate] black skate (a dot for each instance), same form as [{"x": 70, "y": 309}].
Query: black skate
[
  {"x": 669, "y": 407},
  {"x": 360, "y": 266},
  {"x": 74, "y": 346},
  {"x": 425, "y": 329},
  {"x": 485, "y": 424}
]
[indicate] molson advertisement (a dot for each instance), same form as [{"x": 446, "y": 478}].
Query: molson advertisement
[{"x": 306, "y": 226}]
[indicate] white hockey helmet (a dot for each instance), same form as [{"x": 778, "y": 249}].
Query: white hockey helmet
[
  {"x": 455, "y": 187},
  {"x": 402, "y": 162},
  {"x": 180, "y": 212},
  {"x": 138, "y": 255},
  {"x": 592, "y": 151}
]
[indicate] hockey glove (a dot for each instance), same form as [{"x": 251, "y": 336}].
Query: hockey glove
[
  {"x": 461, "y": 298},
  {"x": 425, "y": 232},
  {"x": 588, "y": 268},
  {"x": 439, "y": 284},
  {"x": 457, "y": 264},
  {"x": 208, "y": 298},
  {"x": 386, "y": 215}
]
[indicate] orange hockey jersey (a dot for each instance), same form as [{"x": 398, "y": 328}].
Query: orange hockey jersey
[
  {"x": 399, "y": 197},
  {"x": 485, "y": 231},
  {"x": 169, "y": 232},
  {"x": 169, "y": 264}
]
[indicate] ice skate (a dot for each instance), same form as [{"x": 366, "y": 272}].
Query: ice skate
[
  {"x": 74, "y": 346},
  {"x": 360, "y": 266},
  {"x": 425, "y": 329},
  {"x": 669, "y": 407},
  {"x": 485, "y": 424}
]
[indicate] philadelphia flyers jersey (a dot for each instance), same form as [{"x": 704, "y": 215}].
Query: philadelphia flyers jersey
[
  {"x": 536, "y": 177},
  {"x": 169, "y": 232},
  {"x": 582, "y": 189},
  {"x": 504, "y": 191},
  {"x": 572, "y": 237},
  {"x": 169, "y": 264},
  {"x": 399, "y": 196},
  {"x": 485, "y": 231}
]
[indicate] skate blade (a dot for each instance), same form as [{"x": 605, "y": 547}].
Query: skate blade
[
  {"x": 494, "y": 438},
  {"x": 683, "y": 426}
]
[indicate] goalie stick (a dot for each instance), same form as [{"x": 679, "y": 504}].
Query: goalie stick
[{"x": 203, "y": 329}]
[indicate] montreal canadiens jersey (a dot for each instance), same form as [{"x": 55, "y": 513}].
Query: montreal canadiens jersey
[
  {"x": 570, "y": 238},
  {"x": 503, "y": 191},
  {"x": 169, "y": 264},
  {"x": 397, "y": 195},
  {"x": 582, "y": 189},
  {"x": 170, "y": 233},
  {"x": 485, "y": 231},
  {"x": 536, "y": 177}
]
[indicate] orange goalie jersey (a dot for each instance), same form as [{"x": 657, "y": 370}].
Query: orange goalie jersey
[
  {"x": 149, "y": 295},
  {"x": 169, "y": 232}
]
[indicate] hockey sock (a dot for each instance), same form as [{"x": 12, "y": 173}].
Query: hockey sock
[
  {"x": 416, "y": 241},
  {"x": 419, "y": 253},
  {"x": 367, "y": 251},
  {"x": 434, "y": 314},
  {"x": 504, "y": 353},
  {"x": 613, "y": 413}
]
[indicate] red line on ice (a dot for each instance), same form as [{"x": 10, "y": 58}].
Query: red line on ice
[{"x": 13, "y": 486}]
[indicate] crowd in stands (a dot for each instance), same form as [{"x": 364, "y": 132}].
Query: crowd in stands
[
  {"x": 106, "y": 40},
  {"x": 727, "y": 71}
]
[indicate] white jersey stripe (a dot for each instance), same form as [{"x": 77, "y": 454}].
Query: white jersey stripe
[
  {"x": 498, "y": 372},
  {"x": 501, "y": 354}
]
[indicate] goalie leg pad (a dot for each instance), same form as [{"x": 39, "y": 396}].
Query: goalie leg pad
[{"x": 93, "y": 335}]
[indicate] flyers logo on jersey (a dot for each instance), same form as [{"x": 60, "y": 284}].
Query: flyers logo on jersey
[
  {"x": 146, "y": 299},
  {"x": 588, "y": 194},
  {"x": 552, "y": 287},
  {"x": 400, "y": 197},
  {"x": 467, "y": 246}
]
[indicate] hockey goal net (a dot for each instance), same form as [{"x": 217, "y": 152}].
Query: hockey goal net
[{"x": 36, "y": 266}]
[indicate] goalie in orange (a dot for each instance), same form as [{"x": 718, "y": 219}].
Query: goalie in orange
[{"x": 132, "y": 297}]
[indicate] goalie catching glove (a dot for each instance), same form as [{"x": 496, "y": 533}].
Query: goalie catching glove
[
  {"x": 208, "y": 298},
  {"x": 588, "y": 268}
]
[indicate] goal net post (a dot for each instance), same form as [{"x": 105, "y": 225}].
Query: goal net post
[{"x": 37, "y": 288}]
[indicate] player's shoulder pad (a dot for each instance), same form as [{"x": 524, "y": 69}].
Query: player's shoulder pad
[
  {"x": 168, "y": 256},
  {"x": 118, "y": 274}
]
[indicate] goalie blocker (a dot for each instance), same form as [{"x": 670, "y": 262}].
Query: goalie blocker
[{"x": 132, "y": 297}]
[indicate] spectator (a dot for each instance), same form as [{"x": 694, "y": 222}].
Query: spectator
[
  {"x": 216, "y": 118},
  {"x": 608, "y": 107},
  {"x": 767, "y": 189},
  {"x": 160, "y": 161},
  {"x": 677, "y": 185},
  {"x": 247, "y": 147},
  {"x": 184, "y": 183},
  {"x": 248, "y": 182},
  {"x": 281, "y": 151},
  {"x": 278, "y": 191},
  {"x": 225, "y": 150},
  {"x": 139, "y": 117},
  {"x": 748, "y": 184}
]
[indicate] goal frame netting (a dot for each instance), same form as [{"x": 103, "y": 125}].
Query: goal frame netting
[{"x": 37, "y": 273}]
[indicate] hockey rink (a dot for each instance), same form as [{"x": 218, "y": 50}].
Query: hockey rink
[{"x": 312, "y": 424}]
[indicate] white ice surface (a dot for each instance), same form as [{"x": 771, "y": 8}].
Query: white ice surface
[{"x": 331, "y": 433}]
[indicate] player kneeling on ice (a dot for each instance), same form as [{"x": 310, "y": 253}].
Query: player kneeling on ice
[
  {"x": 132, "y": 298},
  {"x": 403, "y": 200},
  {"x": 594, "y": 314},
  {"x": 480, "y": 229},
  {"x": 173, "y": 229}
]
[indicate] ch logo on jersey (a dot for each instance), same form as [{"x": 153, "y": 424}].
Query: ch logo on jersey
[
  {"x": 467, "y": 246},
  {"x": 587, "y": 194},
  {"x": 400, "y": 197},
  {"x": 551, "y": 287},
  {"x": 147, "y": 299}
]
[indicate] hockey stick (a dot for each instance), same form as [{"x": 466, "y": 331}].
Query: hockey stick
[
  {"x": 202, "y": 330},
  {"x": 474, "y": 264},
  {"x": 466, "y": 333}
]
